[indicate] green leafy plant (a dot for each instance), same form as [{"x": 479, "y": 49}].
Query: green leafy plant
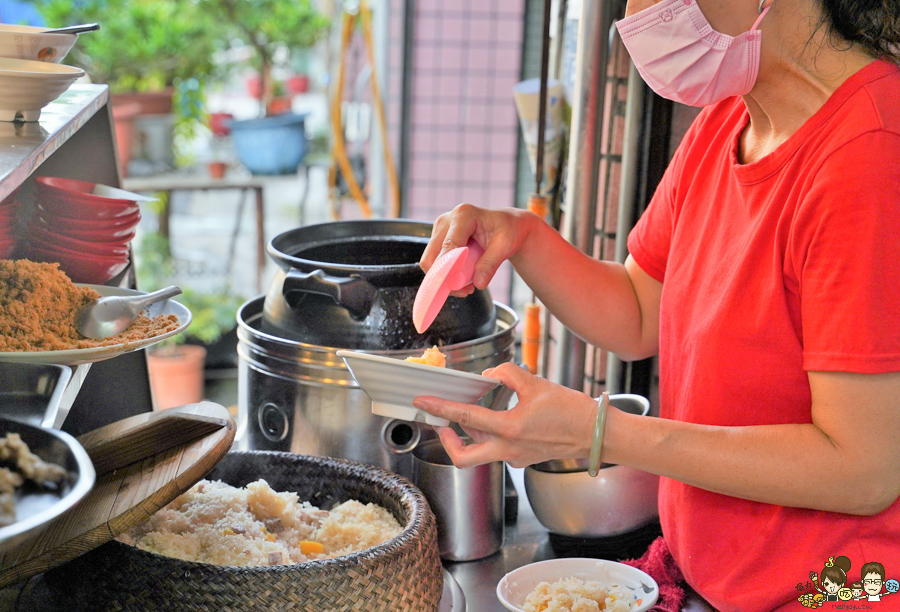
[
  {"x": 213, "y": 312},
  {"x": 143, "y": 45},
  {"x": 266, "y": 26}
]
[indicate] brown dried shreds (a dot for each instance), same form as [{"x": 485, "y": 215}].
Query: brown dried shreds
[{"x": 38, "y": 303}]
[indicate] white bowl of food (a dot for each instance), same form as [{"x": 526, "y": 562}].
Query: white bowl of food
[
  {"x": 27, "y": 86},
  {"x": 393, "y": 384},
  {"x": 34, "y": 43},
  {"x": 554, "y": 585}
]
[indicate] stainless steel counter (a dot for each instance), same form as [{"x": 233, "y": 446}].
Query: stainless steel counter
[{"x": 527, "y": 541}]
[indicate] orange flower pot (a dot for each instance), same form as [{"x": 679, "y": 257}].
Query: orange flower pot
[{"x": 176, "y": 377}]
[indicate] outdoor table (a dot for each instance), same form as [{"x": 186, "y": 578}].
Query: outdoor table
[{"x": 193, "y": 179}]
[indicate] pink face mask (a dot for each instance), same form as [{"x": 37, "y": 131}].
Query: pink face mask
[{"x": 683, "y": 59}]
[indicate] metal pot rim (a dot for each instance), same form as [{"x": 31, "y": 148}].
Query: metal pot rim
[
  {"x": 245, "y": 328},
  {"x": 345, "y": 230}
]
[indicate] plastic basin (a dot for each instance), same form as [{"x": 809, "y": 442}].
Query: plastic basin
[{"x": 271, "y": 145}]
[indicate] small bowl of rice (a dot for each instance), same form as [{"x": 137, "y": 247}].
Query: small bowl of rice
[{"x": 577, "y": 585}]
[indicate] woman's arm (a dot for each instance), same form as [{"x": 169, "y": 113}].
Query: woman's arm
[
  {"x": 618, "y": 308},
  {"x": 845, "y": 461}
]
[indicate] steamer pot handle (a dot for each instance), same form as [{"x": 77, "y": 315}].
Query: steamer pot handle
[{"x": 352, "y": 292}]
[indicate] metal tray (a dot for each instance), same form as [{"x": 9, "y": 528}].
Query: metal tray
[
  {"x": 37, "y": 509},
  {"x": 452, "y": 599},
  {"x": 32, "y": 392}
]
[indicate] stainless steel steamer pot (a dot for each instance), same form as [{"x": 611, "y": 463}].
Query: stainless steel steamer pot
[{"x": 301, "y": 397}]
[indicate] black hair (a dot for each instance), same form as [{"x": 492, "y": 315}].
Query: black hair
[{"x": 874, "y": 25}]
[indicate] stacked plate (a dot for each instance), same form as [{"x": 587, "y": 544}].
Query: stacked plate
[
  {"x": 30, "y": 74},
  {"x": 27, "y": 86},
  {"x": 87, "y": 233}
]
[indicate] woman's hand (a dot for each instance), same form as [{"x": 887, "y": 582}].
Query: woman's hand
[
  {"x": 549, "y": 422},
  {"x": 499, "y": 232}
]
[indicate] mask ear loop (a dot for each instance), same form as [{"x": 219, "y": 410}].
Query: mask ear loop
[{"x": 762, "y": 13}]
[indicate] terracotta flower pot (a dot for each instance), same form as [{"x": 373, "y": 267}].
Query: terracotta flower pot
[
  {"x": 217, "y": 169},
  {"x": 218, "y": 123},
  {"x": 254, "y": 87},
  {"x": 176, "y": 377},
  {"x": 123, "y": 118},
  {"x": 151, "y": 102},
  {"x": 279, "y": 106},
  {"x": 298, "y": 84}
]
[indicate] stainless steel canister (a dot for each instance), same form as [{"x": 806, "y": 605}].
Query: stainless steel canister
[
  {"x": 468, "y": 503},
  {"x": 301, "y": 398}
]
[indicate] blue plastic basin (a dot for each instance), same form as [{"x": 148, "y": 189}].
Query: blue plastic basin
[{"x": 271, "y": 145}]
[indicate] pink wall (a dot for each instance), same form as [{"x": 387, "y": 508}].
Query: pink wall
[{"x": 464, "y": 135}]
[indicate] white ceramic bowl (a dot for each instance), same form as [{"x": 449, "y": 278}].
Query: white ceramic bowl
[
  {"x": 393, "y": 384},
  {"x": 32, "y": 43},
  {"x": 517, "y": 584},
  {"x": 27, "y": 86}
]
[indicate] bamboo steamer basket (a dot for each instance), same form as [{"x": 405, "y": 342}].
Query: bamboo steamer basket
[{"x": 401, "y": 574}]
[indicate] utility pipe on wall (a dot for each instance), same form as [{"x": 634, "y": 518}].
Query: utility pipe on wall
[
  {"x": 635, "y": 113},
  {"x": 588, "y": 97}
]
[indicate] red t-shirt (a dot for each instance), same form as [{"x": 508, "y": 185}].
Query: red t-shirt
[{"x": 769, "y": 270}]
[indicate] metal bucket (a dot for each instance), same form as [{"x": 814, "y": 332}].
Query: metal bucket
[{"x": 301, "y": 398}]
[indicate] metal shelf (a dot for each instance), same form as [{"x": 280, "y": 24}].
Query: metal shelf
[
  {"x": 26, "y": 146},
  {"x": 75, "y": 138}
]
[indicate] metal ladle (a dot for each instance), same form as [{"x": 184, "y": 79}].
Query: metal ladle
[
  {"x": 74, "y": 29},
  {"x": 114, "y": 314}
]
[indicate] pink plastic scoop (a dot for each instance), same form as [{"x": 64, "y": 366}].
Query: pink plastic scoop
[{"x": 452, "y": 271}]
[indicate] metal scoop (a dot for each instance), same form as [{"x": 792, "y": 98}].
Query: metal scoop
[
  {"x": 74, "y": 29},
  {"x": 114, "y": 314}
]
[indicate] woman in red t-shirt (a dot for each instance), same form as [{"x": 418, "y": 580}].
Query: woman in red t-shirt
[{"x": 765, "y": 274}]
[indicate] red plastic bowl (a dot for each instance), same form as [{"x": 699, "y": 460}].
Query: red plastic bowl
[
  {"x": 75, "y": 190},
  {"x": 73, "y": 200},
  {"x": 62, "y": 224},
  {"x": 57, "y": 242},
  {"x": 78, "y": 268},
  {"x": 121, "y": 236}
]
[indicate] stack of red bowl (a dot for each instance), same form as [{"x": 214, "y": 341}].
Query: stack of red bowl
[
  {"x": 8, "y": 210},
  {"x": 87, "y": 234}
]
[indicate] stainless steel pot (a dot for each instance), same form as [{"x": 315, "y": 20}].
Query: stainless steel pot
[
  {"x": 568, "y": 501},
  {"x": 301, "y": 398}
]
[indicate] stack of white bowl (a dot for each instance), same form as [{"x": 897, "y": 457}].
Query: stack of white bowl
[{"x": 30, "y": 74}]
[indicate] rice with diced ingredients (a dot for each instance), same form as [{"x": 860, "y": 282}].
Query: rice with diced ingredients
[
  {"x": 257, "y": 526},
  {"x": 432, "y": 356},
  {"x": 576, "y": 595}
]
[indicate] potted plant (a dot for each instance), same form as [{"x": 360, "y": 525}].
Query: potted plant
[
  {"x": 177, "y": 364},
  {"x": 144, "y": 51},
  {"x": 266, "y": 26},
  {"x": 276, "y": 142},
  {"x": 141, "y": 46}
]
